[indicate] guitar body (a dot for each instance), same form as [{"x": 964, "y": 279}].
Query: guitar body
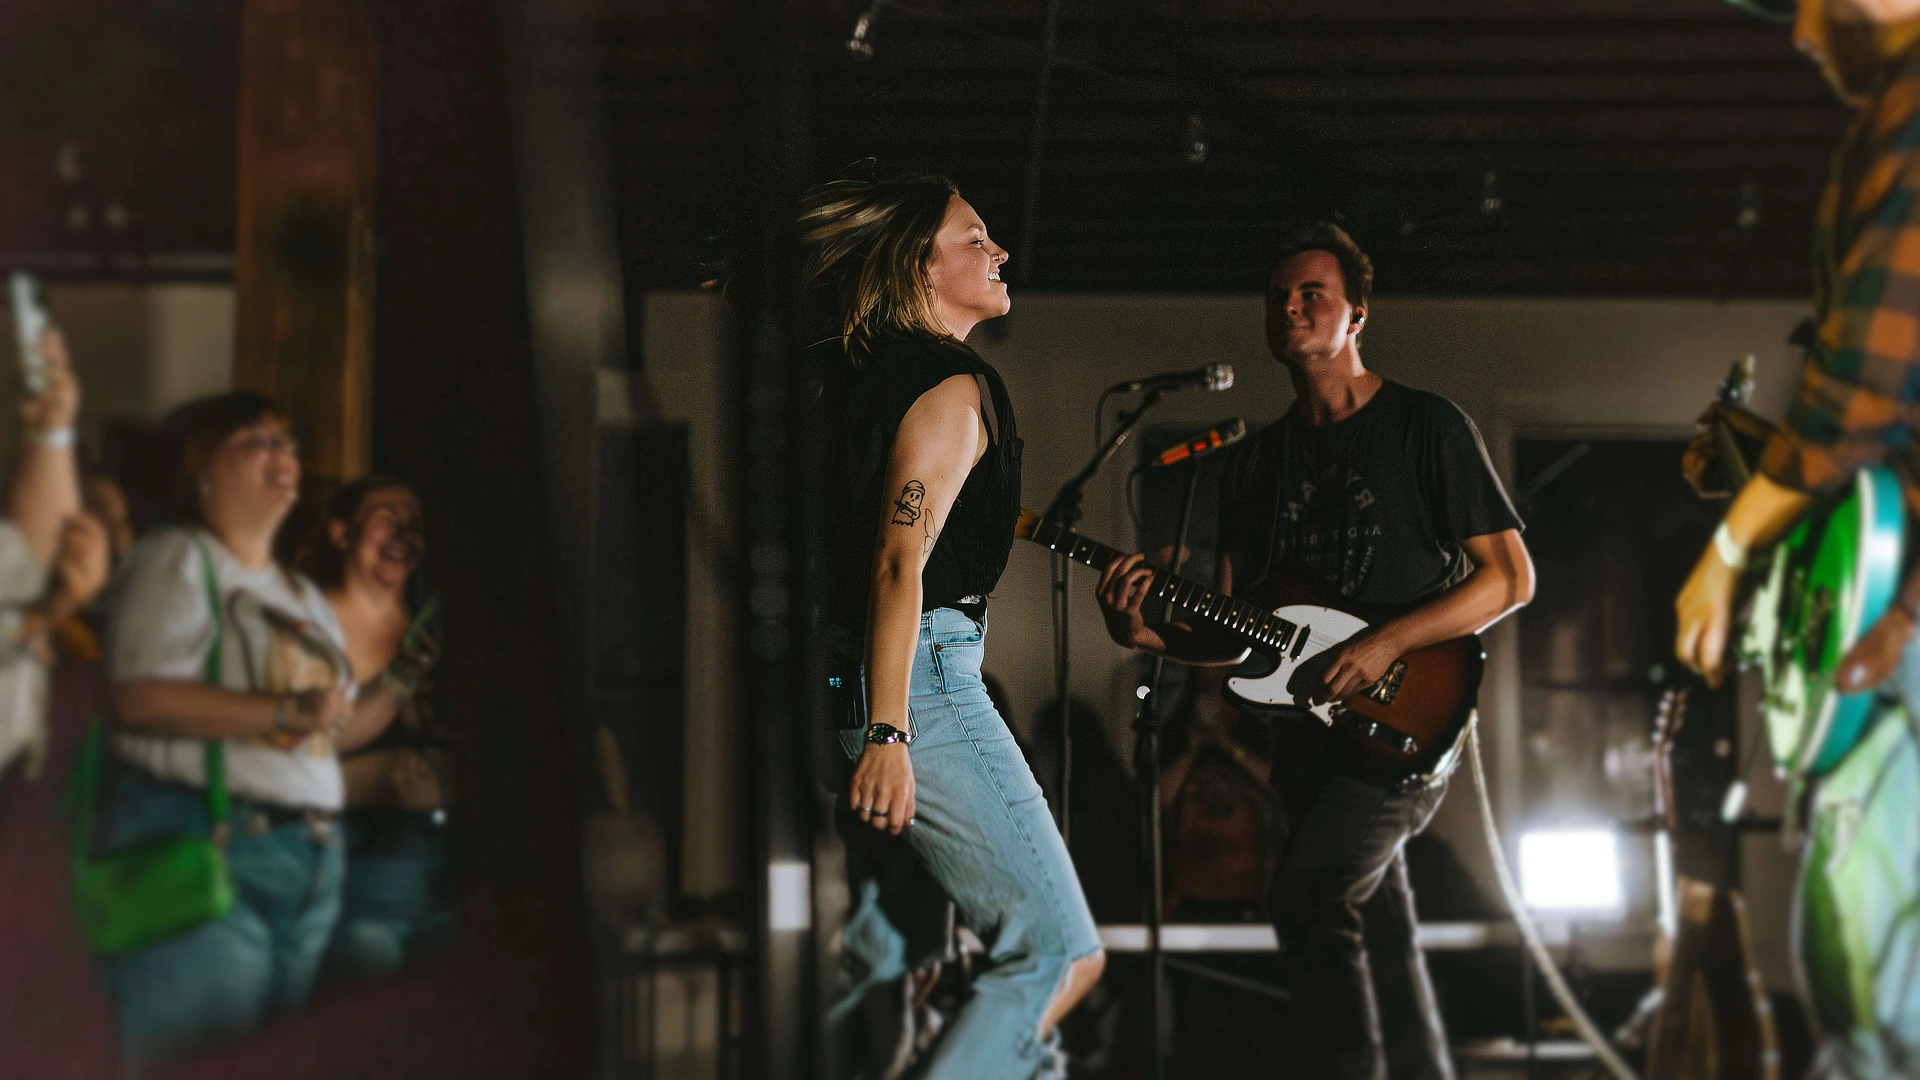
[
  {"x": 1415, "y": 710},
  {"x": 1403, "y": 721},
  {"x": 1828, "y": 582}
]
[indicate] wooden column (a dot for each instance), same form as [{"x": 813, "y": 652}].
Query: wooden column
[{"x": 309, "y": 100}]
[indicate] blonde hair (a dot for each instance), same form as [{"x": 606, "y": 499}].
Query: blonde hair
[{"x": 867, "y": 244}]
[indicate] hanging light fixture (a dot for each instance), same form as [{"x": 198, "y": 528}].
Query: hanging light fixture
[
  {"x": 1195, "y": 141},
  {"x": 66, "y": 162},
  {"x": 1749, "y": 216},
  {"x": 860, "y": 42},
  {"x": 1492, "y": 200}
]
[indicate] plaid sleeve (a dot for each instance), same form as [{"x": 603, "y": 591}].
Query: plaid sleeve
[{"x": 1858, "y": 390}]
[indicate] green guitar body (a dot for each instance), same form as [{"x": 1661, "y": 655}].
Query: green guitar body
[{"x": 1826, "y": 585}]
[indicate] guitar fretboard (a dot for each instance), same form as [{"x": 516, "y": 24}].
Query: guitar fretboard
[{"x": 1260, "y": 626}]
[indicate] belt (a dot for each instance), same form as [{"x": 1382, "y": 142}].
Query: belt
[
  {"x": 260, "y": 818},
  {"x": 974, "y": 606}
]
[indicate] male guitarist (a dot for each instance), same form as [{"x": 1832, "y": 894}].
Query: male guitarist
[{"x": 1379, "y": 498}]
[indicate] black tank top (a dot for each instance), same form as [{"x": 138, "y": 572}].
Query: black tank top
[{"x": 862, "y": 411}]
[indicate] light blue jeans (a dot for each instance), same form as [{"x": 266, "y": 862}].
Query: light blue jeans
[
  {"x": 984, "y": 831},
  {"x": 222, "y": 979},
  {"x": 392, "y": 907}
]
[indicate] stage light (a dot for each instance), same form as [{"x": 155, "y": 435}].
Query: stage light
[{"x": 1571, "y": 870}]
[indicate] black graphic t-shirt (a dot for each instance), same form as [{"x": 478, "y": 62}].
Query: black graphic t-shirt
[{"x": 1371, "y": 510}]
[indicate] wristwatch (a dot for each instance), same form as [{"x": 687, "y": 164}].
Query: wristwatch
[{"x": 886, "y": 735}]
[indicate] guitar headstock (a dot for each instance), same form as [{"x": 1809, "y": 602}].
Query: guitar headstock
[
  {"x": 1028, "y": 521},
  {"x": 1672, "y": 714},
  {"x": 1737, "y": 388}
]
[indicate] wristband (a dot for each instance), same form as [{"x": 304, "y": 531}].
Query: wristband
[
  {"x": 58, "y": 438},
  {"x": 1729, "y": 549},
  {"x": 281, "y": 712},
  {"x": 887, "y": 735}
]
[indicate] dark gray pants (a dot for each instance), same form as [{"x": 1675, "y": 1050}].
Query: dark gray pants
[{"x": 1363, "y": 1006}]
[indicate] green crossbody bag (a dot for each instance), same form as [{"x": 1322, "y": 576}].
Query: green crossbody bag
[{"x": 133, "y": 898}]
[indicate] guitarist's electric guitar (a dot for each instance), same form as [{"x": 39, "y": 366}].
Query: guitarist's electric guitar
[
  {"x": 1826, "y": 584},
  {"x": 1822, "y": 588},
  {"x": 1413, "y": 712}
]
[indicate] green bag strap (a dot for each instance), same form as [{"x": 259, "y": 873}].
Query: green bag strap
[
  {"x": 83, "y": 784},
  {"x": 217, "y": 805}
]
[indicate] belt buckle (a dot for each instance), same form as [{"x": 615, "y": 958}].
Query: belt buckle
[{"x": 320, "y": 824}]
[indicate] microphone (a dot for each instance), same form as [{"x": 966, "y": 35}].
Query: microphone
[
  {"x": 1222, "y": 436},
  {"x": 1211, "y": 377}
]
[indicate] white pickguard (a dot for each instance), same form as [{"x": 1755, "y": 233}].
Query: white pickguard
[{"x": 1326, "y": 628}]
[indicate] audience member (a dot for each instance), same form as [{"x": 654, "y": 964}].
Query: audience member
[
  {"x": 45, "y": 974},
  {"x": 211, "y": 642},
  {"x": 394, "y": 906},
  {"x": 45, "y": 530},
  {"x": 103, "y": 498}
]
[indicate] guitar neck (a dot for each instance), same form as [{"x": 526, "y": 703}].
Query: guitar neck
[{"x": 1259, "y": 627}]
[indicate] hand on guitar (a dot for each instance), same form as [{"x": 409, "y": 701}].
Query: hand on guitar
[
  {"x": 1874, "y": 656},
  {"x": 881, "y": 791},
  {"x": 1759, "y": 514},
  {"x": 1705, "y": 608},
  {"x": 1358, "y": 664},
  {"x": 1124, "y": 585}
]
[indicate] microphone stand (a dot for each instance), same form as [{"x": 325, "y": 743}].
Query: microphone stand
[
  {"x": 1065, "y": 509},
  {"x": 1146, "y": 726}
]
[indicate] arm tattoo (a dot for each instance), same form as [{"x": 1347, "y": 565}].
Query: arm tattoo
[
  {"x": 909, "y": 506},
  {"x": 910, "y": 509}
]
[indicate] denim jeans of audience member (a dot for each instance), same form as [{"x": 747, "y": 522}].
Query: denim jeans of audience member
[
  {"x": 1362, "y": 999},
  {"x": 257, "y": 961},
  {"x": 393, "y": 907},
  {"x": 984, "y": 831}
]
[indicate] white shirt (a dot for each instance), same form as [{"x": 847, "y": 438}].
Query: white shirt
[
  {"x": 23, "y": 680},
  {"x": 280, "y": 636}
]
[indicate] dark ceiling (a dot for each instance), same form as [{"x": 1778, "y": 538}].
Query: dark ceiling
[
  {"x": 1622, "y": 137},
  {"x": 1619, "y": 135}
]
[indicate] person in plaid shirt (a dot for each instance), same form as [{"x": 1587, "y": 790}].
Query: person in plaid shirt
[
  {"x": 1859, "y": 396},
  {"x": 1856, "y": 932}
]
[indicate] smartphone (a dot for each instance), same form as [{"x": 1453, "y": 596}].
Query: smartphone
[{"x": 30, "y": 320}]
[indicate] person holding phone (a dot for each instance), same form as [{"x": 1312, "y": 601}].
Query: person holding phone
[{"x": 53, "y": 555}]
